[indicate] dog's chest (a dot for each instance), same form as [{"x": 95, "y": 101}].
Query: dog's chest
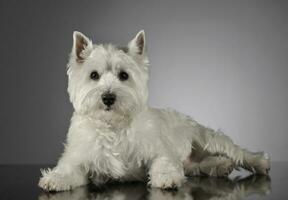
[{"x": 111, "y": 153}]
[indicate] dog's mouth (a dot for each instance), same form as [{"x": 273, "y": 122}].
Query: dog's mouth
[{"x": 108, "y": 108}]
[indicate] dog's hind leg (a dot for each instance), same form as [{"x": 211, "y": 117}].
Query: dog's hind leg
[
  {"x": 216, "y": 143},
  {"x": 217, "y": 166}
]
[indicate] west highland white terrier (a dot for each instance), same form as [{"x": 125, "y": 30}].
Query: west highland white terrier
[{"x": 115, "y": 136}]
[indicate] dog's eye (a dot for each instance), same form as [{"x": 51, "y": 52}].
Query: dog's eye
[
  {"x": 94, "y": 75},
  {"x": 123, "y": 76}
]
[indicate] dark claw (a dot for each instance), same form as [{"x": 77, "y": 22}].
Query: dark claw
[{"x": 173, "y": 187}]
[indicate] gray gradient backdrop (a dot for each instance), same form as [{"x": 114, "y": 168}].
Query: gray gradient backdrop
[{"x": 223, "y": 62}]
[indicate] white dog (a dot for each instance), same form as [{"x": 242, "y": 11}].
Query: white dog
[{"x": 115, "y": 136}]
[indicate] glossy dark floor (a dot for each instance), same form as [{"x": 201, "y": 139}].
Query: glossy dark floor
[{"x": 20, "y": 182}]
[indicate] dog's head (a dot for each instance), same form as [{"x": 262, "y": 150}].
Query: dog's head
[{"x": 107, "y": 79}]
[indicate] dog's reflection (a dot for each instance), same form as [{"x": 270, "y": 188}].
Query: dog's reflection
[{"x": 196, "y": 188}]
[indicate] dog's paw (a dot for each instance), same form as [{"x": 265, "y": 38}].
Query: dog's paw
[
  {"x": 260, "y": 164},
  {"x": 53, "y": 182},
  {"x": 171, "y": 180},
  {"x": 61, "y": 180}
]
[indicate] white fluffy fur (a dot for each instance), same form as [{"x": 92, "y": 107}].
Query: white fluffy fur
[{"x": 133, "y": 141}]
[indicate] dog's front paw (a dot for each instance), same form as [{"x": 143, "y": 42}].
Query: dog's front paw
[
  {"x": 53, "y": 182},
  {"x": 171, "y": 180}
]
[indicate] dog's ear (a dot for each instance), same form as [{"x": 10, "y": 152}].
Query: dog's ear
[
  {"x": 82, "y": 46},
  {"x": 137, "y": 46}
]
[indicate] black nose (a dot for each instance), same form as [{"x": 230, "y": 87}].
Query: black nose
[{"x": 108, "y": 99}]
